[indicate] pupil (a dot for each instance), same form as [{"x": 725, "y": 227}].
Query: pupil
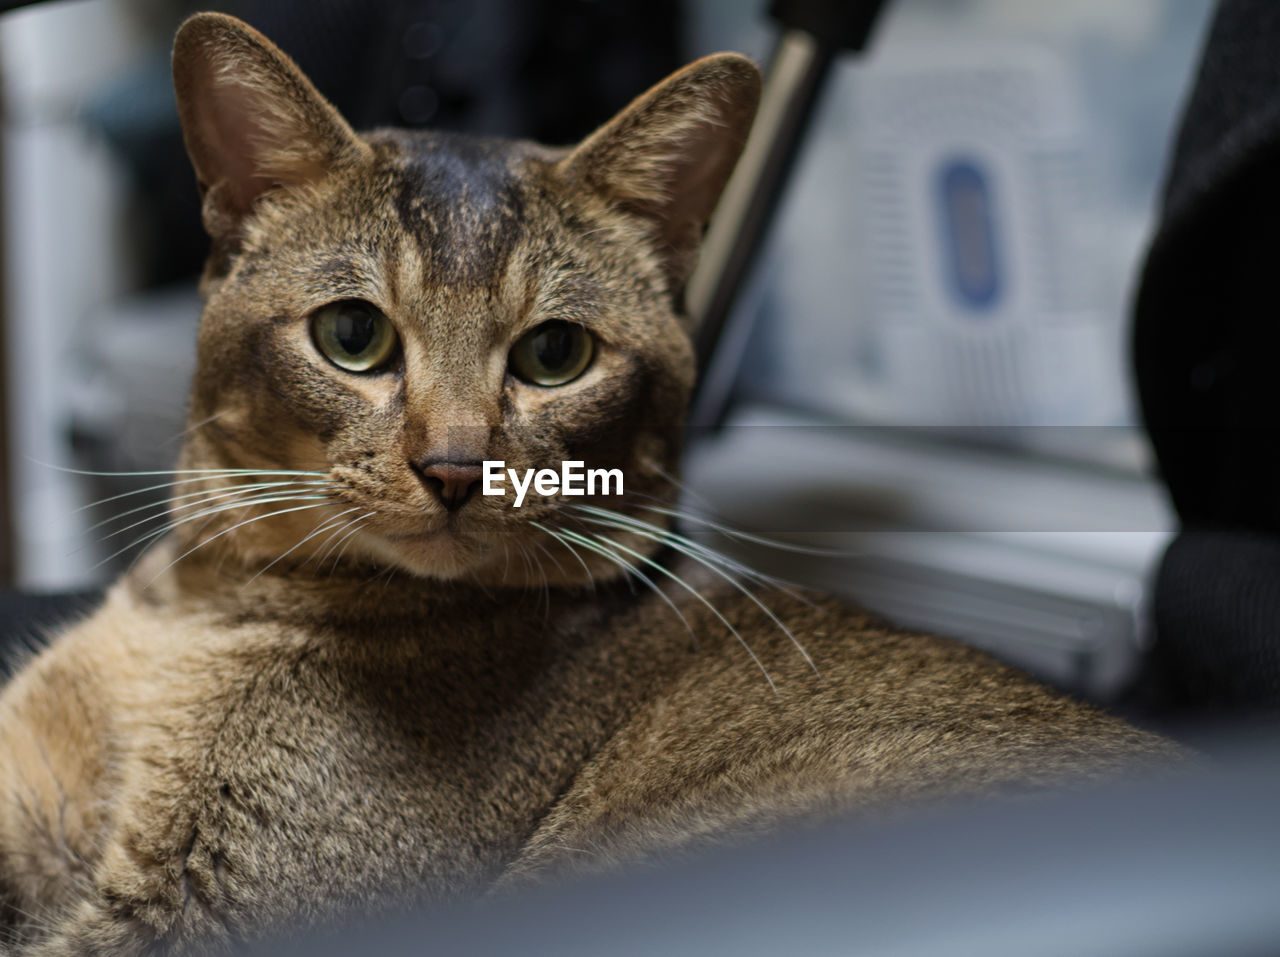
[
  {"x": 353, "y": 332},
  {"x": 554, "y": 346}
]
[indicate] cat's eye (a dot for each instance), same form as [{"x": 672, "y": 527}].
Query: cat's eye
[
  {"x": 354, "y": 335},
  {"x": 552, "y": 353}
]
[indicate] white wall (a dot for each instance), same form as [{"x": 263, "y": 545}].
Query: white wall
[{"x": 64, "y": 253}]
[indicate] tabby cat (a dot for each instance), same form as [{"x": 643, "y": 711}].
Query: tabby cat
[{"x": 344, "y": 679}]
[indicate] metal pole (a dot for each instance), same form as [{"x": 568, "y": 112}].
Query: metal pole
[{"x": 814, "y": 33}]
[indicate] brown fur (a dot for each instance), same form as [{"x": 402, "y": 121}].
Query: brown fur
[{"x": 255, "y": 733}]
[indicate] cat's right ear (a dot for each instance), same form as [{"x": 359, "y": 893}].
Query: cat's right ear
[
  {"x": 251, "y": 120},
  {"x": 668, "y": 155}
]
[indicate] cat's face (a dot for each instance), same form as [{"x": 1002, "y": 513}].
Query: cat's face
[{"x": 388, "y": 312}]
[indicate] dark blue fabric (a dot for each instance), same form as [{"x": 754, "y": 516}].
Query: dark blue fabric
[
  {"x": 1206, "y": 344},
  {"x": 1206, "y": 351},
  {"x": 27, "y": 619}
]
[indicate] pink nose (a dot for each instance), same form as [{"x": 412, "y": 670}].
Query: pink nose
[{"x": 451, "y": 482}]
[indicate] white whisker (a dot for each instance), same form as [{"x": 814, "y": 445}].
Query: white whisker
[
  {"x": 318, "y": 476},
  {"x": 204, "y": 496},
  {"x": 208, "y": 513},
  {"x": 705, "y": 552},
  {"x": 333, "y": 541},
  {"x": 324, "y": 526},
  {"x": 345, "y": 542},
  {"x": 220, "y": 471},
  {"x": 746, "y": 536},
  {"x": 665, "y": 537},
  {"x": 257, "y": 499},
  {"x": 194, "y": 427},
  {"x": 546, "y": 551},
  {"x": 226, "y": 531},
  {"x": 572, "y": 551},
  {"x": 632, "y": 569},
  {"x": 746, "y": 646}
]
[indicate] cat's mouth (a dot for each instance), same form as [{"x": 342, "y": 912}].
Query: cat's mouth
[{"x": 440, "y": 552}]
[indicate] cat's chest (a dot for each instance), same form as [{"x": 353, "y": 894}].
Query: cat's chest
[{"x": 413, "y": 762}]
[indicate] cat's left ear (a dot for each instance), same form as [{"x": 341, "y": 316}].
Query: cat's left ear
[
  {"x": 668, "y": 155},
  {"x": 251, "y": 120}
]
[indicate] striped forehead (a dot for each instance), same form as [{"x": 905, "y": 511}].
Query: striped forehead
[
  {"x": 460, "y": 202},
  {"x": 459, "y": 239}
]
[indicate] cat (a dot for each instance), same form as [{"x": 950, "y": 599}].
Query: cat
[{"x": 346, "y": 680}]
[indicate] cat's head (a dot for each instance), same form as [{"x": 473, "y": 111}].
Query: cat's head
[{"x": 387, "y": 311}]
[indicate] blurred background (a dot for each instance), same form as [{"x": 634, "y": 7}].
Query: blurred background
[{"x": 933, "y": 386}]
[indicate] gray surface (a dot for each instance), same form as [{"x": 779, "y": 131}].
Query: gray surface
[{"x": 1188, "y": 865}]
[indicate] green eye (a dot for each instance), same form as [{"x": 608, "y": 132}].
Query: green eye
[
  {"x": 354, "y": 335},
  {"x": 553, "y": 353}
]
